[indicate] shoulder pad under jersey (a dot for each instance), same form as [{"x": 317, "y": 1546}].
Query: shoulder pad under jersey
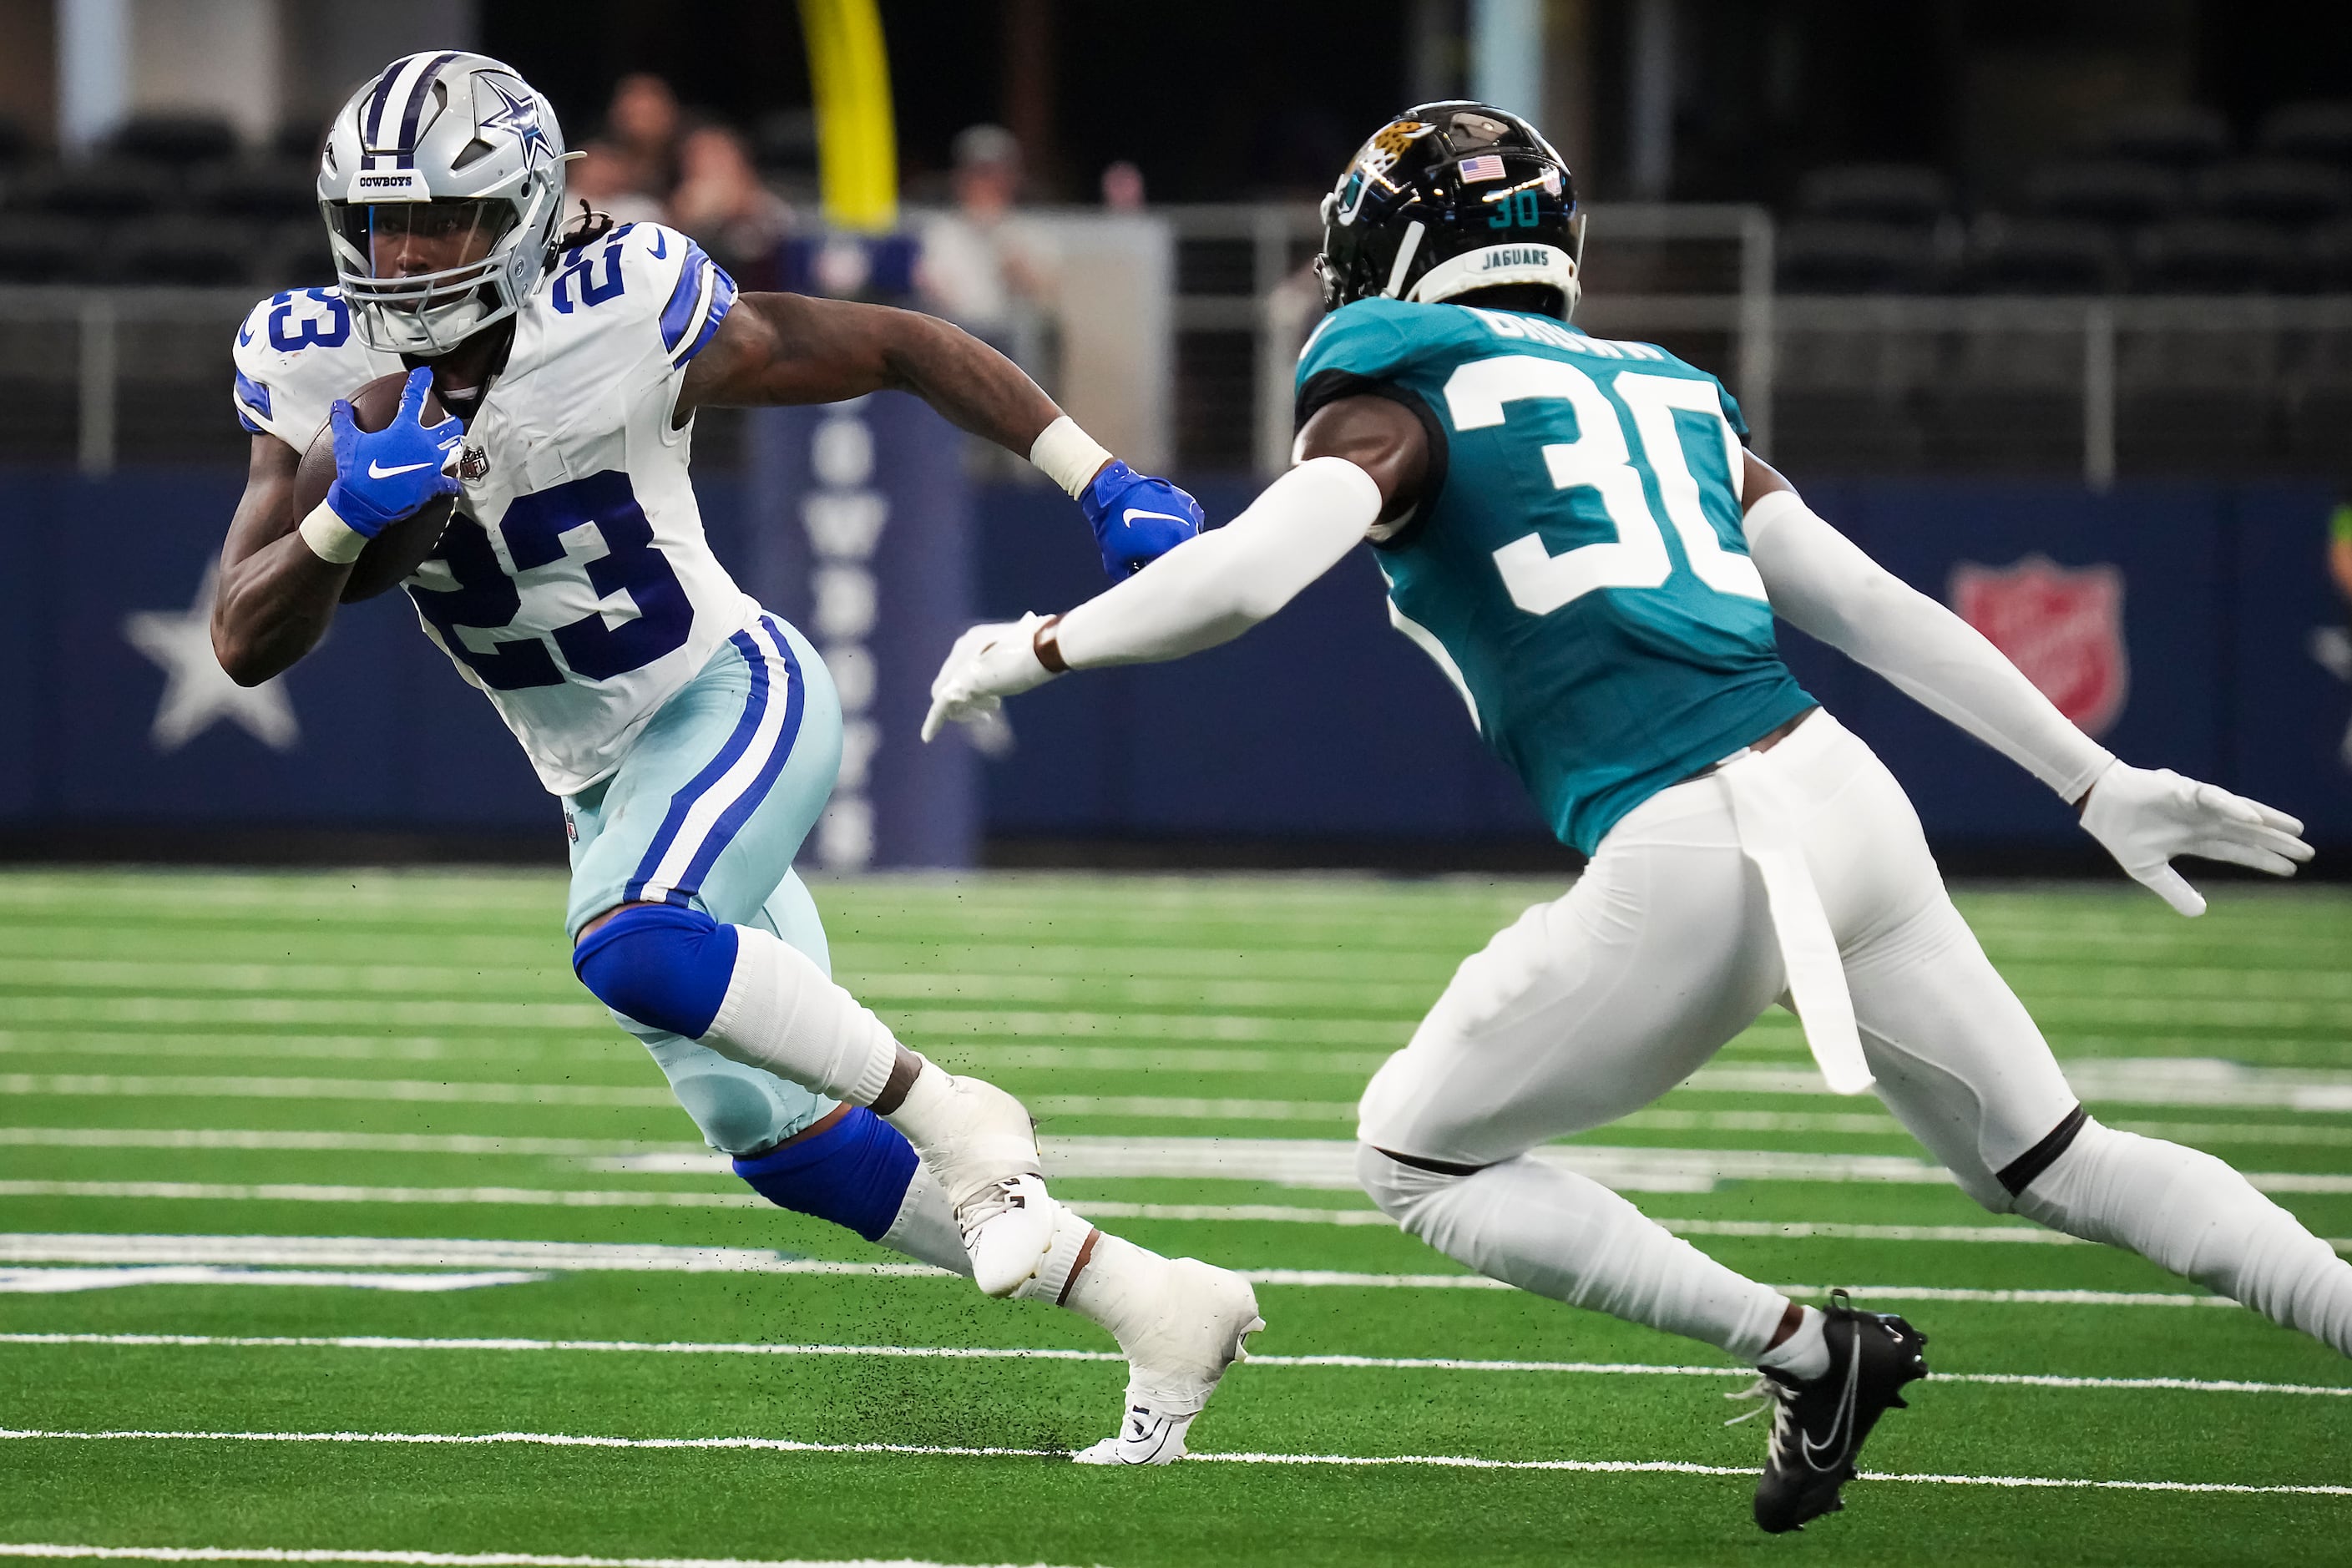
[
  {"x": 295, "y": 354},
  {"x": 642, "y": 290}
]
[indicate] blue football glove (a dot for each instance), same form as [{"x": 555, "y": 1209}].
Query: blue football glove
[
  {"x": 383, "y": 476},
  {"x": 1136, "y": 518}
]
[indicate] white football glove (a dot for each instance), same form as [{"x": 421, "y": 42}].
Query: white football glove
[
  {"x": 2146, "y": 816},
  {"x": 994, "y": 661}
]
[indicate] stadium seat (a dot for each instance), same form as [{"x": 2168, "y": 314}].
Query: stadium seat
[
  {"x": 2178, "y": 136},
  {"x": 194, "y": 252},
  {"x": 1829, "y": 256},
  {"x": 297, "y": 141},
  {"x": 44, "y": 248},
  {"x": 1876, "y": 193},
  {"x": 2105, "y": 190},
  {"x": 2213, "y": 255},
  {"x": 2042, "y": 256},
  {"x": 106, "y": 188},
  {"x": 2274, "y": 190},
  {"x": 295, "y": 256},
  {"x": 177, "y": 142},
  {"x": 2327, "y": 257},
  {"x": 2320, "y": 130},
  {"x": 271, "y": 191}
]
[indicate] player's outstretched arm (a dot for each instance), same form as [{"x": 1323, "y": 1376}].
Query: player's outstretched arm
[
  {"x": 1359, "y": 465},
  {"x": 793, "y": 349},
  {"x": 1821, "y": 582}
]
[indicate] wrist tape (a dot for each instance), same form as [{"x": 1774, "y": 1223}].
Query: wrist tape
[
  {"x": 1068, "y": 454},
  {"x": 332, "y": 539}
]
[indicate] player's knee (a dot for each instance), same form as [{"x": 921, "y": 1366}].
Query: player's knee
[
  {"x": 1405, "y": 1193},
  {"x": 661, "y": 965},
  {"x": 855, "y": 1173},
  {"x": 733, "y": 1116}
]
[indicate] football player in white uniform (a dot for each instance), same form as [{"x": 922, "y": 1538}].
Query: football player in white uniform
[
  {"x": 1509, "y": 470},
  {"x": 692, "y": 737}
]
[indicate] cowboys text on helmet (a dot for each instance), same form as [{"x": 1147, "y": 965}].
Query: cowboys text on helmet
[{"x": 442, "y": 186}]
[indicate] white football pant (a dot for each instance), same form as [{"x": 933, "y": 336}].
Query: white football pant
[{"x": 1595, "y": 1004}]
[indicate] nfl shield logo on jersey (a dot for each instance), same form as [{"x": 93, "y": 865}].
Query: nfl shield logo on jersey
[{"x": 2063, "y": 626}]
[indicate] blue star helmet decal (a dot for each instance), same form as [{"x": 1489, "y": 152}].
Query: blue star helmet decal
[{"x": 519, "y": 116}]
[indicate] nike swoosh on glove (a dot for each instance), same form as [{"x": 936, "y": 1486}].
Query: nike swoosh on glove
[
  {"x": 383, "y": 476},
  {"x": 994, "y": 661},
  {"x": 1136, "y": 518},
  {"x": 2146, "y": 816}
]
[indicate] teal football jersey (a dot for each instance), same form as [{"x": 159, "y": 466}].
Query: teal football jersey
[{"x": 1578, "y": 567}]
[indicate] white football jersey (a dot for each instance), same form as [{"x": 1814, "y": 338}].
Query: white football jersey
[{"x": 573, "y": 584}]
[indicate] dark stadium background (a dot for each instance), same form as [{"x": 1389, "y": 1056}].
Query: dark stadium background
[{"x": 2000, "y": 281}]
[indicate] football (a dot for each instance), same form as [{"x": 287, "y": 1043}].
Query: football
[{"x": 392, "y": 555}]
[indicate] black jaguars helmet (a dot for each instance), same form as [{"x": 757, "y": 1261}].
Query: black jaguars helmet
[{"x": 1448, "y": 198}]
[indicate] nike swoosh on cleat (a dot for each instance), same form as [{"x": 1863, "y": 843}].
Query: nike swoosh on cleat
[
  {"x": 1130, "y": 516},
  {"x": 378, "y": 471},
  {"x": 1841, "y": 1433}
]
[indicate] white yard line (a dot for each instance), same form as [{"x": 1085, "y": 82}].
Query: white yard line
[
  {"x": 557, "y": 1256},
  {"x": 563, "y": 1256},
  {"x": 206, "y": 1086},
  {"x": 436, "y": 1558},
  {"x": 337, "y": 1143},
  {"x": 959, "y": 1353},
  {"x": 61, "y": 1281},
  {"x": 316, "y": 1192},
  {"x": 1444, "y": 1461}
]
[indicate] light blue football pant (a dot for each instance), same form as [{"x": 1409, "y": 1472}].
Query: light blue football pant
[{"x": 707, "y": 810}]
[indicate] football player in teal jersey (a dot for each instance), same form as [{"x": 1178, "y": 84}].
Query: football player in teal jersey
[{"x": 1573, "y": 530}]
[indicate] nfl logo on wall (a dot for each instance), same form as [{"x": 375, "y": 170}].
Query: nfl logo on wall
[{"x": 2063, "y": 626}]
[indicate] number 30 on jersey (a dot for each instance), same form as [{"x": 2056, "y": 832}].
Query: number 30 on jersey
[{"x": 1598, "y": 459}]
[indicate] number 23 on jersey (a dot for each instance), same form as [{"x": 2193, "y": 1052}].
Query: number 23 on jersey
[{"x": 489, "y": 600}]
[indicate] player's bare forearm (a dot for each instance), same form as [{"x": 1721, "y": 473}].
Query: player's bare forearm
[
  {"x": 275, "y": 596},
  {"x": 791, "y": 349}
]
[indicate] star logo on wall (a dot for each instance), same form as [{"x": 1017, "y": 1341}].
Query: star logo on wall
[
  {"x": 519, "y": 118},
  {"x": 197, "y": 692}
]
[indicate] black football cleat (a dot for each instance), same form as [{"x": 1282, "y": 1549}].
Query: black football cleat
[{"x": 1819, "y": 1425}]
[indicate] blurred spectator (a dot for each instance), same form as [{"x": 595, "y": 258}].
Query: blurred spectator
[
  {"x": 721, "y": 203},
  {"x": 642, "y": 123},
  {"x": 978, "y": 267},
  {"x": 1122, "y": 187},
  {"x": 603, "y": 178},
  {"x": 2339, "y": 550}
]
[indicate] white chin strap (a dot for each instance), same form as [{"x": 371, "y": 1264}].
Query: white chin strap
[{"x": 1497, "y": 266}]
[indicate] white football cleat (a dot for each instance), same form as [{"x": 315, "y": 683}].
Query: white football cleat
[
  {"x": 1197, "y": 1325},
  {"x": 982, "y": 1148},
  {"x": 1008, "y": 1229}
]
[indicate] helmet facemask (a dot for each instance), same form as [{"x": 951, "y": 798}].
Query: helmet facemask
[
  {"x": 421, "y": 276},
  {"x": 441, "y": 186}
]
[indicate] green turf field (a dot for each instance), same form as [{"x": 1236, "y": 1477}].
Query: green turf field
[{"x": 277, "y": 1095}]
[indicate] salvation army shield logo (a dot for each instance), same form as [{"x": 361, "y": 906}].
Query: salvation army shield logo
[{"x": 2063, "y": 626}]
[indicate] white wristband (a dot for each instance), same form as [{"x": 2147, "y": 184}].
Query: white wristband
[
  {"x": 1068, "y": 454},
  {"x": 332, "y": 539}
]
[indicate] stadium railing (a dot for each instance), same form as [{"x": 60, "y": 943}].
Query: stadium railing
[{"x": 2091, "y": 385}]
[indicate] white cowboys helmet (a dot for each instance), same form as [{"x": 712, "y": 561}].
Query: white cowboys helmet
[{"x": 442, "y": 186}]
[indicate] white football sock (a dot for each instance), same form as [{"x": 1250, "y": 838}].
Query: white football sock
[
  {"x": 925, "y": 1230},
  {"x": 2197, "y": 1217},
  {"x": 786, "y": 1015},
  {"x": 1052, "y": 1282},
  {"x": 1569, "y": 1237},
  {"x": 1805, "y": 1353}
]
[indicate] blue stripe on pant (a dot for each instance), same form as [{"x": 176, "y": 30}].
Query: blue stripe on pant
[{"x": 735, "y": 855}]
